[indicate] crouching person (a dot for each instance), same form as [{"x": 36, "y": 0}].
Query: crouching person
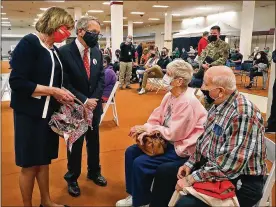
[{"x": 179, "y": 119}]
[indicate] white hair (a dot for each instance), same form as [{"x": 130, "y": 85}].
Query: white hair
[
  {"x": 182, "y": 69},
  {"x": 227, "y": 82},
  {"x": 82, "y": 23}
]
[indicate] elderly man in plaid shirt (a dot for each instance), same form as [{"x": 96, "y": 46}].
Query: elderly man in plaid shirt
[{"x": 231, "y": 148}]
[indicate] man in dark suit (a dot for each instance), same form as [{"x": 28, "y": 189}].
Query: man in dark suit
[{"x": 84, "y": 77}]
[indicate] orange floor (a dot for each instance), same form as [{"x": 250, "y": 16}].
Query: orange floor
[{"x": 132, "y": 109}]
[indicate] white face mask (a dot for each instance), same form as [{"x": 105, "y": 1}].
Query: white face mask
[
  {"x": 128, "y": 40},
  {"x": 167, "y": 80},
  {"x": 258, "y": 56}
]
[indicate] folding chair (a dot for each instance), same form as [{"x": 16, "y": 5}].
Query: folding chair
[
  {"x": 111, "y": 101},
  {"x": 266, "y": 200},
  {"x": 6, "y": 86},
  {"x": 155, "y": 83}
]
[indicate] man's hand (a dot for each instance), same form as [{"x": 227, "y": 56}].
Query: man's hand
[
  {"x": 183, "y": 172},
  {"x": 92, "y": 103},
  {"x": 205, "y": 66}
]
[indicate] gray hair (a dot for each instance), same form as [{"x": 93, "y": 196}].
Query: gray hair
[
  {"x": 83, "y": 22},
  {"x": 182, "y": 69},
  {"x": 226, "y": 82}
]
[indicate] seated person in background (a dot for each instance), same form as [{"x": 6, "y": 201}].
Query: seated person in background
[
  {"x": 179, "y": 119},
  {"x": 253, "y": 55},
  {"x": 191, "y": 53},
  {"x": 216, "y": 53},
  {"x": 145, "y": 57},
  {"x": 176, "y": 53},
  {"x": 236, "y": 58},
  {"x": 157, "y": 71},
  {"x": 268, "y": 54},
  {"x": 184, "y": 54},
  {"x": 260, "y": 66},
  {"x": 231, "y": 148},
  {"x": 152, "y": 61},
  {"x": 116, "y": 64},
  {"x": 110, "y": 78}
]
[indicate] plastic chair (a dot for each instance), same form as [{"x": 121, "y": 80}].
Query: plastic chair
[
  {"x": 266, "y": 200},
  {"x": 111, "y": 101}
]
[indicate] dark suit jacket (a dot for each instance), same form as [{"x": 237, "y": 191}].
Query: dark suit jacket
[
  {"x": 75, "y": 76},
  {"x": 31, "y": 65}
]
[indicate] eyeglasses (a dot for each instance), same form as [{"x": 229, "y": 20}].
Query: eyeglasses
[{"x": 94, "y": 33}]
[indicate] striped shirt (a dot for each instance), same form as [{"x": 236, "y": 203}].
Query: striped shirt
[{"x": 233, "y": 142}]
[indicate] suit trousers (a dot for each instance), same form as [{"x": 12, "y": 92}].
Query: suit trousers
[
  {"x": 153, "y": 72},
  {"x": 75, "y": 156},
  {"x": 272, "y": 118},
  {"x": 125, "y": 73}
]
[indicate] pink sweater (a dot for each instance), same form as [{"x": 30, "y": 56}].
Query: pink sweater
[{"x": 186, "y": 123}]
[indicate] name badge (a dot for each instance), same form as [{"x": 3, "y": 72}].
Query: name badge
[
  {"x": 94, "y": 61},
  {"x": 217, "y": 130}
]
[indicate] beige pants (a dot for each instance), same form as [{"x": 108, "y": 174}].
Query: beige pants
[
  {"x": 125, "y": 73},
  {"x": 153, "y": 72}
]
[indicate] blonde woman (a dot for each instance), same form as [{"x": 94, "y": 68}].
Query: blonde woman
[{"x": 36, "y": 82}]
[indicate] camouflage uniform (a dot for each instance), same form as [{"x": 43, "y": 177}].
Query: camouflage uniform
[{"x": 218, "y": 51}]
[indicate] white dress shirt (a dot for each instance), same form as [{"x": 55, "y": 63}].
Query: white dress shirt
[{"x": 81, "y": 49}]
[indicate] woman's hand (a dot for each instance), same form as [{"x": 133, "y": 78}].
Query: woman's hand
[
  {"x": 183, "y": 172},
  {"x": 63, "y": 95},
  {"x": 136, "y": 130}
]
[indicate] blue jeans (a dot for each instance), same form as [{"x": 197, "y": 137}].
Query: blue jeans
[{"x": 140, "y": 170}]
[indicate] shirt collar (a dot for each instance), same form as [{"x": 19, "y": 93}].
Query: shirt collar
[
  {"x": 224, "y": 105},
  {"x": 80, "y": 46}
]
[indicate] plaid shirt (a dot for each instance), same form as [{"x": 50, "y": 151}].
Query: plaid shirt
[{"x": 233, "y": 142}]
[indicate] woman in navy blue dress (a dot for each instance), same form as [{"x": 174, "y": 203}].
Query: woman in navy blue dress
[{"x": 36, "y": 82}]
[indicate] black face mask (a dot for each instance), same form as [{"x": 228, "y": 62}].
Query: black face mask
[
  {"x": 209, "y": 99},
  {"x": 212, "y": 38},
  {"x": 163, "y": 54},
  {"x": 91, "y": 39},
  {"x": 152, "y": 55}
]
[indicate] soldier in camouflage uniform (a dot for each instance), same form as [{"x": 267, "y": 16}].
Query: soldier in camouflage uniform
[{"x": 216, "y": 53}]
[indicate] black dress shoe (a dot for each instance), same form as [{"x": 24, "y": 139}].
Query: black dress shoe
[
  {"x": 73, "y": 189},
  {"x": 97, "y": 178},
  {"x": 43, "y": 206}
]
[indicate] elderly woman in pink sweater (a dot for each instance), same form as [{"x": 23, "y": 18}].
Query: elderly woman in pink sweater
[{"x": 179, "y": 119}]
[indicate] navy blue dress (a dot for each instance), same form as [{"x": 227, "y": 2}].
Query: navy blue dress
[{"x": 35, "y": 143}]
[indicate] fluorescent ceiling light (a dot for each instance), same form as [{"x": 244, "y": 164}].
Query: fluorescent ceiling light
[
  {"x": 154, "y": 19},
  {"x": 107, "y": 3},
  {"x": 4, "y": 18},
  {"x": 125, "y": 25},
  {"x": 106, "y": 21},
  {"x": 137, "y": 12},
  {"x": 176, "y": 15},
  {"x": 43, "y": 9},
  {"x": 61, "y": 1},
  {"x": 3, "y": 13},
  {"x": 160, "y": 6},
  {"x": 95, "y": 11},
  {"x": 124, "y": 17},
  {"x": 5, "y": 25},
  {"x": 138, "y": 22},
  {"x": 5, "y": 22},
  {"x": 203, "y": 8}
]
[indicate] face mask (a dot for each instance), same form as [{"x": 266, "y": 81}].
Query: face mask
[
  {"x": 91, "y": 39},
  {"x": 266, "y": 51},
  {"x": 167, "y": 80},
  {"x": 163, "y": 54},
  {"x": 129, "y": 40},
  {"x": 61, "y": 34},
  {"x": 209, "y": 99},
  {"x": 152, "y": 55},
  {"x": 212, "y": 38},
  {"x": 258, "y": 56}
]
